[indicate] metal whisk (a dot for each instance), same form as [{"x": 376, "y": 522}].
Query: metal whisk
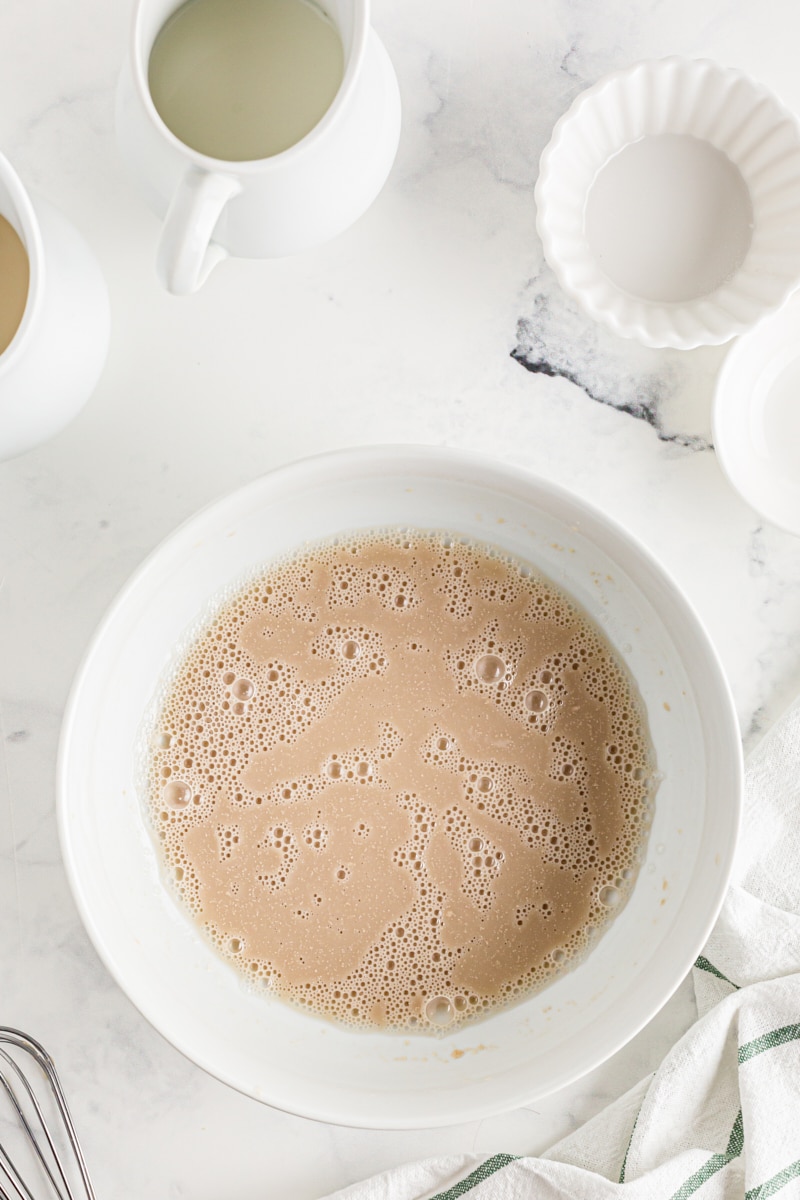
[{"x": 40, "y": 1156}]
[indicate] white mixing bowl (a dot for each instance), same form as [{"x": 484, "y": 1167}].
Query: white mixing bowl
[{"x": 295, "y": 1061}]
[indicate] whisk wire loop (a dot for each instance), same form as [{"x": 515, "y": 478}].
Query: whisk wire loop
[{"x": 56, "y": 1170}]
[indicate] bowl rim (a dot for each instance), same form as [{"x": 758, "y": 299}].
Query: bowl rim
[
  {"x": 480, "y": 467},
  {"x": 637, "y": 318}
]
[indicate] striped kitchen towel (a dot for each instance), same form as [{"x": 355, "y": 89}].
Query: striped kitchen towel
[{"x": 721, "y": 1116}]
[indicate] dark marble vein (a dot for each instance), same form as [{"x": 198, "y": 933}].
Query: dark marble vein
[
  {"x": 559, "y": 341},
  {"x": 642, "y": 411}
]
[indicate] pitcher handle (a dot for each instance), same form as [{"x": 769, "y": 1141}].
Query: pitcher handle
[{"x": 186, "y": 255}]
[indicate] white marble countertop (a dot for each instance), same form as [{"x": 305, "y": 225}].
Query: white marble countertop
[{"x": 432, "y": 320}]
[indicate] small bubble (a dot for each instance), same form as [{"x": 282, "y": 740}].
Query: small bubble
[
  {"x": 476, "y": 844},
  {"x": 558, "y": 956},
  {"x": 243, "y": 689},
  {"x": 439, "y": 1011},
  {"x": 334, "y": 770},
  {"x": 546, "y": 676},
  {"x": 400, "y": 601},
  {"x": 163, "y": 741},
  {"x": 485, "y": 783},
  {"x": 273, "y": 675},
  {"x": 350, "y": 649},
  {"x": 443, "y": 743},
  {"x": 236, "y": 945},
  {"x": 536, "y": 701},
  {"x": 176, "y": 794},
  {"x": 228, "y": 677},
  {"x": 639, "y": 774},
  {"x": 238, "y": 708},
  {"x": 490, "y": 669}
]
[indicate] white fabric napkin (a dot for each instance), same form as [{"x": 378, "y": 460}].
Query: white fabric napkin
[{"x": 721, "y": 1116}]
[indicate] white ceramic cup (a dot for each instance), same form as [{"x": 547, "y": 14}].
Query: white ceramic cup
[
  {"x": 269, "y": 207},
  {"x": 756, "y": 417},
  {"x": 298, "y": 1062},
  {"x": 50, "y": 367}
]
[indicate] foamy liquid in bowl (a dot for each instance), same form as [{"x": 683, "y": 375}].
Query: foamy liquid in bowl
[{"x": 401, "y": 780}]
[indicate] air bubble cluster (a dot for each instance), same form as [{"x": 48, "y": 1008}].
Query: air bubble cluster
[
  {"x": 393, "y": 589},
  {"x": 228, "y": 838},
  {"x": 481, "y": 859},
  {"x": 400, "y": 780}
]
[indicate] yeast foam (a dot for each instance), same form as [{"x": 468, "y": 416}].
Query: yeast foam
[{"x": 401, "y": 780}]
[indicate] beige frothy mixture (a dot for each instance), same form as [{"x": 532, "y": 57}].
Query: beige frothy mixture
[
  {"x": 401, "y": 780},
  {"x": 14, "y": 277}
]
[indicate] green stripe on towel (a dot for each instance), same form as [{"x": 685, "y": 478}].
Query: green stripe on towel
[
  {"x": 715, "y": 1163},
  {"x": 628, "y": 1150},
  {"x": 702, "y": 964},
  {"x": 775, "y": 1184},
  {"x": 768, "y": 1041},
  {"x": 484, "y": 1171}
]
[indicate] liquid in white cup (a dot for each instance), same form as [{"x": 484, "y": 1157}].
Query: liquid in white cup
[
  {"x": 240, "y": 80},
  {"x": 14, "y": 278}
]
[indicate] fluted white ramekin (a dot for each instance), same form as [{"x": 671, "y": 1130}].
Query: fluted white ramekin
[{"x": 733, "y": 113}]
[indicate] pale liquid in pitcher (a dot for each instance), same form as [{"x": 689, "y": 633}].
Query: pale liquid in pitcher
[
  {"x": 14, "y": 277},
  {"x": 401, "y": 781},
  {"x": 245, "y": 79}
]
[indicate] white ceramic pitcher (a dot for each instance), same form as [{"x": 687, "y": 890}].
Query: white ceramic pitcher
[
  {"x": 50, "y": 367},
  {"x": 269, "y": 207}
]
